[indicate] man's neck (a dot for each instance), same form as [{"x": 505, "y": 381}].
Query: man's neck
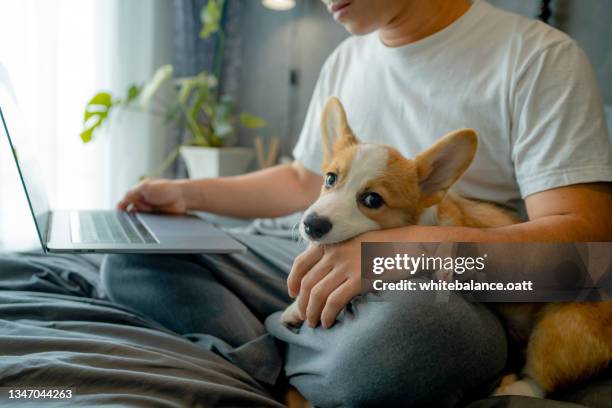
[{"x": 422, "y": 19}]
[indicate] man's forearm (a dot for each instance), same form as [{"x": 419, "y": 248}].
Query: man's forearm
[
  {"x": 271, "y": 192},
  {"x": 554, "y": 228},
  {"x": 578, "y": 213}
]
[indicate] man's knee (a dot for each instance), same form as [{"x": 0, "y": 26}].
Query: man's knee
[
  {"x": 402, "y": 351},
  {"x": 122, "y": 274},
  {"x": 117, "y": 268}
]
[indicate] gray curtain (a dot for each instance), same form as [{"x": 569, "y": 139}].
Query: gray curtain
[{"x": 194, "y": 55}]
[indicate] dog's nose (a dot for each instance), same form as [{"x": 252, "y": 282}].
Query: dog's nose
[{"x": 316, "y": 226}]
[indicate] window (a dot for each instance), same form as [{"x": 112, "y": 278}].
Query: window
[{"x": 58, "y": 54}]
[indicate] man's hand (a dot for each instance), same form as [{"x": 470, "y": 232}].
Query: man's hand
[
  {"x": 326, "y": 279},
  {"x": 164, "y": 196}
]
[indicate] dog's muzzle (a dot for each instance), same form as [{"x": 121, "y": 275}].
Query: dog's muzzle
[{"x": 316, "y": 226}]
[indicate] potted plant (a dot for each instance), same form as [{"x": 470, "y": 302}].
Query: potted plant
[{"x": 209, "y": 118}]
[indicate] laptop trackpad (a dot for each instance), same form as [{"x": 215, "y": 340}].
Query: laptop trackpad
[{"x": 180, "y": 226}]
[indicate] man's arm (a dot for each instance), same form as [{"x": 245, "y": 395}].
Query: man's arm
[
  {"x": 581, "y": 212},
  {"x": 273, "y": 192}
]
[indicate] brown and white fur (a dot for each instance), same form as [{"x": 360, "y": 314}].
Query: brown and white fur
[{"x": 568, "y": 342}]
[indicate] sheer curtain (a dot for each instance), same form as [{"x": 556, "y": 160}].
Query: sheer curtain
[{"x": 58, "y": 53}]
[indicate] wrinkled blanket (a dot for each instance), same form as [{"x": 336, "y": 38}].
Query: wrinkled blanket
[{"x": 58, "y": 331}]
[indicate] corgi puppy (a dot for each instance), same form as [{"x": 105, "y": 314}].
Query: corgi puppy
[{"x": 370, "y": 187}]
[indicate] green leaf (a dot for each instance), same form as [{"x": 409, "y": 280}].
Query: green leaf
[
  {"x": 208, "y": 30},
  {"x": 211, "y": 18},
  {"x": 186, "y": 89},
  {"x": 101, "y": 98},
  {"x": 148, "y": 93},
  {"x": 132, "y": 93},
  {"x": 101, "y": 102},
  {"x": 252, "y": 121},
  {"x": 197, "y": 105},
  {"x": 92, "y": 124},
  {"x": 200, "y": 83},
  {"x": 196, "y": 131},
  {"x": 96, "y": 113},
  {"x": 89, "y": 128},
  {"x": 87, "y": 135},
  {"x": 209, "y": 111}
]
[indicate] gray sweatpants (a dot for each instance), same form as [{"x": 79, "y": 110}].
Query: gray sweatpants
[{"x": 407, "y": 349}]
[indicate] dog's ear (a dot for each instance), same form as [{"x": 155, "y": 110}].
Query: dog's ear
[
  {"x": 442, "y": 164},
  {"x": 336, "y": 133}
]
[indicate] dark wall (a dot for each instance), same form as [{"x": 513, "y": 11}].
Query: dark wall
[{"x": 273, "y": 43}]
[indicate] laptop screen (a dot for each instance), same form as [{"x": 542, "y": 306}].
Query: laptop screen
[{"x": 26, "y": 165}]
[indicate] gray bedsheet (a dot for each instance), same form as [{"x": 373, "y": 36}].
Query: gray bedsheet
[{"x": 57, "y": 330}]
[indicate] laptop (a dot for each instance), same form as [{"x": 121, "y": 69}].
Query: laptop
[{"x": 101, "y": 231}]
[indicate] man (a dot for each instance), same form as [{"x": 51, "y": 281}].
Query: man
[{"x": 415, "y": 70}]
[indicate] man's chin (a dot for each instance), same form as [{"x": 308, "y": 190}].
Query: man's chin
[{"x": 356, "y": 28}]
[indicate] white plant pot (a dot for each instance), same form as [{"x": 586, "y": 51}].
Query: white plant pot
[{"x": 210, "y": 162}]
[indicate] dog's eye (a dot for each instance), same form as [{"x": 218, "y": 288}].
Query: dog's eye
[
  {"x": 372, "y": 200},
  {"x": 330, "y": 179}
]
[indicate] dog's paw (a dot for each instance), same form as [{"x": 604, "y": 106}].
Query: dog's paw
[
  {"x": 508, "y": 379},
  {"x": 293, "y": 399},
  {"x": 291, "y": 316},
  {"x": 525, "y": 387}
]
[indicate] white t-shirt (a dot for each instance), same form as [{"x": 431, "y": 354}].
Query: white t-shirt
[{"x": 527, "y": 89}]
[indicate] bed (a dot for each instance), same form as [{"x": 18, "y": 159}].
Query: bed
[{"x": 59, "y": 331}]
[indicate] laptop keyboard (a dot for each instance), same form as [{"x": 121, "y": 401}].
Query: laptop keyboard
[{"x": 113, "y": 227}]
